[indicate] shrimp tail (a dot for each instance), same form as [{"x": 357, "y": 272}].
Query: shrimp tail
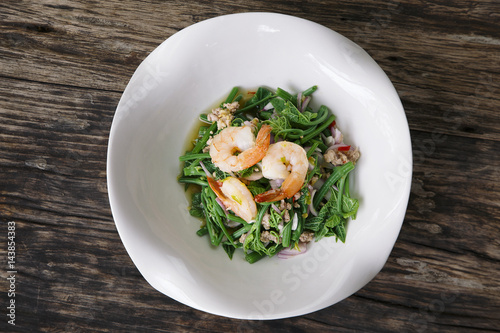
[
  {"x": 270, "y": 196},
  {"x": 264, "y": 137},
  {"x": 253, "y": 155},
  {"x": 216, "y": 187},
  {"x": 235, "y": 196}
]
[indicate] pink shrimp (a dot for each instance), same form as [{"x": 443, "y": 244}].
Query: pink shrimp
[
  {"x": 287, "y": 161},
  {"x": 235, "y": 196},
  {"x": 236, "y": 148}
]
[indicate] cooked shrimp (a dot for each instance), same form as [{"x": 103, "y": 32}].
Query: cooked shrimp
[
  {"x": 235, "y": 196},
  {"x": 288, "y": 161},
  {"x": 232, "y": 140}
]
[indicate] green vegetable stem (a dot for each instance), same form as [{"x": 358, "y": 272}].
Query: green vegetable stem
[{"x": 323, "y": 210}]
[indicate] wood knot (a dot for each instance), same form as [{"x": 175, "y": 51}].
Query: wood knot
[{"x": 43, "y": 28}]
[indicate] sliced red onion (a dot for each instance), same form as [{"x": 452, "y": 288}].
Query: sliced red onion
[
  {"x": 311, "y": 208},
  {"x": 338, "y": 136},
  {"x": 205, "y": 169},
  {"x": 292, "y": 252},
  {"x": 319, "y": 157},
  {"x": 329, "y": 193},
  {"x": 318, "y": 184},
  {"x": 276, "y": 209},
  {"x": 256, "y": 175},
  {"x": 219, "y": 201},
  {"x": 272, "y": 138},
  {"x": 231, "y": 223},
  {"x": 299, "y": 101},
  {"x": 276, "y": 183},
  {"x": 305, "y": 103},
  {"x": 333, "y": 130}
]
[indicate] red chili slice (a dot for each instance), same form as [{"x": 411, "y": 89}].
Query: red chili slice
[{"x": 344, "y": 148}]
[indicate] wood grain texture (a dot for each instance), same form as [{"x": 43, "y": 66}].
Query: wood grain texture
[{"x": 63, "y": 66}]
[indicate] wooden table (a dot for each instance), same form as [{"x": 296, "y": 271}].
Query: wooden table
[{"x": 63, "y": 67}]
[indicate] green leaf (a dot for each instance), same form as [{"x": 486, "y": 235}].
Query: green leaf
[
  {"x": 256, "y": 188},
  {"x": 278, "y": 104},
  {"x": 219, "y": 174},
  {"x": 333, "y": 221},
  {"x": 313, "y": 223},
  {"x": 349, "y": 206},
  {"x": 196, "y": 200},
  {"x": 247, "y": 244},
  {"x": 261, "y": 94},
  {"x": 196, "y": 212},
  {"x": 229, "y": 248},
  {"x": 202, "y": 231},
  {"x": 295, "y": 116},
  {"x": 287, "y": 233},
  {"x": 265, "y": 115},
  {"x": 280, "y": 125},
  {"x": 246, "y": 172},
  {"x": 340, "y": 231},
  {"x": 193, "y": 170},
  {"x": 320, "y": 234}
]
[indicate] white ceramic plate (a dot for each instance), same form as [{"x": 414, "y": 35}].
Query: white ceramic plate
[{"x": 182, "y": 78}]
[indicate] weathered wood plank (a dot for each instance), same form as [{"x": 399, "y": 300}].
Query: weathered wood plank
[
  {"x": 63, "y": 66},
  {"x": 432, "y": 228},
  {"x": 451, "y": 91}
]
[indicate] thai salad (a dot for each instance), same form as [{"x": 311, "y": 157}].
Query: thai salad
[{"x": 268, "y": 174}]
